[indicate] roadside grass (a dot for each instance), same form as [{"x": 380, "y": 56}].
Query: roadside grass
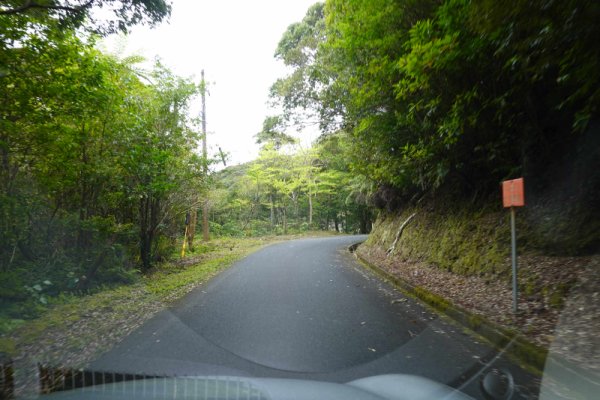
[
  {"x": 75, "y": 329},
  {"x": 72, "y": 323}
]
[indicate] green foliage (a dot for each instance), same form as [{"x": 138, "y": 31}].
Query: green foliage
[
  {"x": 549, "y": 43},
  {"x": 299, "y": 93},
  {"x": 116, "y": 16},
  {"x": 98, "y": 163},
  {"x": 445, "y": 96},
  {"x": 272, "y": 133},
  {"x": 292, "y": 190}
]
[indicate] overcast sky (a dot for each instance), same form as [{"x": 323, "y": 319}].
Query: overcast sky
[{"x": 234, "y": 42}]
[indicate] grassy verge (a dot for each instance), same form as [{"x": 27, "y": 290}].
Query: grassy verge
[{"x": 74, "y": 329}]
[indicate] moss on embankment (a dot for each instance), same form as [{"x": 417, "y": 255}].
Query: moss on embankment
[
  {"x": 463, "y": 242},
  {"x": 474, "y": 239}
]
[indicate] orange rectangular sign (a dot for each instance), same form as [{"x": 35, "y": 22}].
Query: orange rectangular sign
[{"x": 513, "y": 193}]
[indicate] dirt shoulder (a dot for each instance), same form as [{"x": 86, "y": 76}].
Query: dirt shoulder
[{"x": 566, "y": 322}]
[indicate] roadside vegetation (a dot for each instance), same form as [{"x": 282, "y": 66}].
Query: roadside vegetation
[
  {"x": 74, "y": 327},
  {"x": 98, "y": 156}
]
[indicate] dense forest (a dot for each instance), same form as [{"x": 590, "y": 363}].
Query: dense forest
[{"x": 415, "y": 100}]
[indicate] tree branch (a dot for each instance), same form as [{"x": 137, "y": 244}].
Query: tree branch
[
  {"x": 29, "y": 4},
  {"x": 391, "y": 249}
]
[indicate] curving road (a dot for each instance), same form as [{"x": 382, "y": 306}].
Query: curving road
[{"x": 303, "y": 309}]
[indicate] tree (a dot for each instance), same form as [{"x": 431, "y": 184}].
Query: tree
[
  {"x": 548, "y": 42},
  {"x": 90, "y": 155},
  {"x": 273, "y": 133},
  {"x": 308, "y": 175},
  {"x": 161, "y": 159},
  {"x": 117, "y": 15},
  {"x": 293, "y": 189},
  {"x": 300, "y": 95},
  {"x": 98, "y": 160}
]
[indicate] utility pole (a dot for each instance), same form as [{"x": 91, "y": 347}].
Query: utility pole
[{"x": 205, "y": 233}]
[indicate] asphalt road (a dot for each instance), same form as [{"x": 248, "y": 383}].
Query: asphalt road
[{"x": 305, "y": 309}]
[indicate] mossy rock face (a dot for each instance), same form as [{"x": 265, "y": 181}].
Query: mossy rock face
[
  {"x": 464, "y": 242},
  {"x": 474, "y": 239},
  {"x": 564, "y": 229}
]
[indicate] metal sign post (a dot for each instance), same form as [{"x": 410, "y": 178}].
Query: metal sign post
[
  {"x": 513, "y": 195},
  {"x": 513, "y": 245}
]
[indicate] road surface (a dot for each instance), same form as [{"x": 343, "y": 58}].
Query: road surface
[{"x": 304, "y": 309}]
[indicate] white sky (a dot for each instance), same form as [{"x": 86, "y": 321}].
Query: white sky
[{"x": 234, "y": 42}]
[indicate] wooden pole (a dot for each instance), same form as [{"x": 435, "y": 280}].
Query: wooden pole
[
  {"x": 192, "y": 228},
  {"x": 184, "y": 242}
]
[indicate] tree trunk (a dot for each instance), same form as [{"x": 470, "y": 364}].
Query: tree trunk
[
  {"x": 154, "y": 218},
  {"x": 310, "y": 209},
  {"x": 365, "y": 220},
  {"x": 144, "y": 243},
  {"x": 84, "y": 281},
  {"x": 149, "y": 213},
  {"x": 205, "y": 220},
  {"x": 391, "y": 249},
  {"x": 191, "y": 231},
  {"x": 83, "y": 236},
  {"x": 346, "y": 221},
  {"x": 272, "y": 210}
]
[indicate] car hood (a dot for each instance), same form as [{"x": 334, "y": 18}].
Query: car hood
[{"x": 388, "y": 387}]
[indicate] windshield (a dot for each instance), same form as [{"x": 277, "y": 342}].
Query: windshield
[{"x": 370, "y": 195}]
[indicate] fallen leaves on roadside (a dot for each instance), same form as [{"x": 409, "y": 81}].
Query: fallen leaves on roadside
[{"x": 540, "y": 308}]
